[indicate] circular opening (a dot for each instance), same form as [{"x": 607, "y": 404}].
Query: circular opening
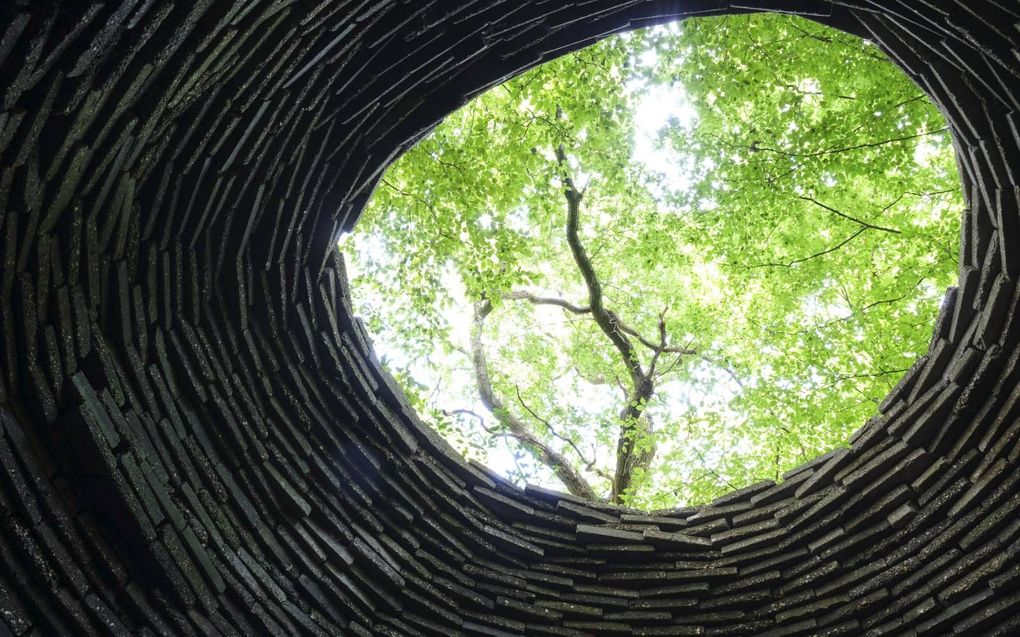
[{"x": 669, "y": 265}]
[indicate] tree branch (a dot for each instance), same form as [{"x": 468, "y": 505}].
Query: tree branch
[
  {"x": 854, "y": 219},
  {"x": 588, "y": 463},
  {"x": 833, "y": 151},
  {"x": 813, "y": 256},
  {"x": 634, "y": 422},
  {"x": 661, "y": 347},
  {"x": 522, "y": 295},
  {"x": 568, "y": 475},
  {"x": 605, "y": 319},
  {"x": 468, "y": 412},
  {"x": 686, "y": 350},
  {"x": 704, "y": 464}
]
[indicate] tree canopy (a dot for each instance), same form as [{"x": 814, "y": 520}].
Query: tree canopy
[{"x": 679, "y": 261}]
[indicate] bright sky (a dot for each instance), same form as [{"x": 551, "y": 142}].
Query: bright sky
[{"x": 657, "y": 108}]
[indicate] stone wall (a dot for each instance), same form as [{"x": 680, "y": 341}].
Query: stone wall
[{"x": 195, "y": 437}]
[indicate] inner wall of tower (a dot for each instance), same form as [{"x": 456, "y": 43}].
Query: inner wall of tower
[{"x": 196, "y": 437}]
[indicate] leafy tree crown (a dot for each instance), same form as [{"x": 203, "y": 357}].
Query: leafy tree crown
[{"x": 677, "y": 262}]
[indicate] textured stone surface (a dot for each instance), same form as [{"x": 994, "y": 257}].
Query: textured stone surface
[{"x": 195, "y": 437}]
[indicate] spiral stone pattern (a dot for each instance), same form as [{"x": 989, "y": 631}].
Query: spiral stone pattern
[{"x": 196, "y": 438}]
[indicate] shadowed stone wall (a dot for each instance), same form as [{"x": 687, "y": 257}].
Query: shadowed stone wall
[{"x": 195, "y": 437}]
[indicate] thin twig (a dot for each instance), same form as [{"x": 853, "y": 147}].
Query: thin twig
[
  {"x": 854, "y": 219},
  {"x": 813, "y": 256},
  {"x": 833, "y": 151},
  {"x": 704, "y": 464},
  {"x": 473, "y": 414},
  {"x": 551, "y": 429}
]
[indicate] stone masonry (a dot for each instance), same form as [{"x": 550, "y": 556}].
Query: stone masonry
[{"x": 196, "y": 438}]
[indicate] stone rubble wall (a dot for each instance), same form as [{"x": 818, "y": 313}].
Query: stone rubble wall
[{"x": 196, "y": 439}]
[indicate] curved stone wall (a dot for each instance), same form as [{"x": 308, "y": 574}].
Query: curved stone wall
[{"x": 196, "y": 439}]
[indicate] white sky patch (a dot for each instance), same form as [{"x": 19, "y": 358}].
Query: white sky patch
[
  {"x": 924, "y": 152},
  {"x": 649, "y": 58},
  {"x": 658, "y": 108},
  {"x": 814, "y": 310}
]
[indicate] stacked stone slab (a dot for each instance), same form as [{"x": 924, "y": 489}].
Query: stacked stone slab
[{"x": 196, "y": 439}]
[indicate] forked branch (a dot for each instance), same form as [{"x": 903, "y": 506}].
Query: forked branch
[
  {"x": 560, "y": 464},
  {"x": 635, "y": 448}
]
